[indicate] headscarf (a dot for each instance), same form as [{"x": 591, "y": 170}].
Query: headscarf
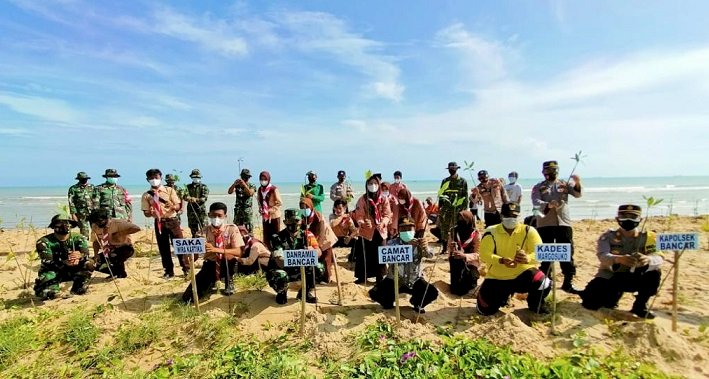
[
  {"x": 314, "y": 220},
  {"x": 405, "y": 209},
  {"x": 374, "y": 199},
  {"x": 465, "y": 224},
  {"x": 264, "y": 193}
]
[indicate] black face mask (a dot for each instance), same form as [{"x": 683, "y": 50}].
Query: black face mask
[
  {"x": 452, "y": 172},
  {"x": 628, "y": 224},
  {"x": 61, "y": 230},
  {"x": 550, "y": 176},
  {"x": 292, "y": 227},
  {"x": 83, "y": 181}
]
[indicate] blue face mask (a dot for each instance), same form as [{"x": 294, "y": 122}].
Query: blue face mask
[
  {"x": 111, "y": 180},
  {"x": 406, "y": 236},
  {"x": 307, "y": 212}
]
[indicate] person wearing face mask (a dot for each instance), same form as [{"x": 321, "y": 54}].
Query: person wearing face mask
[
  {"x": 269, "y": 205},
  {"x": 111, "y": 196},
  {"x": 551, "y": 197},
  {"x": 196, "y": 198},
  {"x": 411, "y": 279},
  {"x": 111, "y": 242},
  {"x": 629, "y": 261},
  {"x": 162, "y": 204},
  {"x": 64, "y": 257},
  {"x": 508, "y": 251},
  {"x": 224, "y": 245},
  {"x": 314, "y": 190},
  {"x": 464, "y": 259},
  {"x": 343, "y": 225},
  {"x": 255, "y": 257},
  {"x": 293, "y": 237},
  {"x": 411, "y": 208},
  {"x": 397, "y": 185},
  {"x": 457, "y": 189},
  {"x": 342, "y": 189},
  {"x": 171, "y": 181},
  {"x": 316, "y": 224},
  {"x": 384, "y": 187},
  {"x": 513, "y": 189},
  {"x": 492, "y": 196},
  {"x": 81, "y": 202},
  {"x": 243, "y": 205},
  {"x": 431, "y": 210},
  {"x": 372, "y": 214}
]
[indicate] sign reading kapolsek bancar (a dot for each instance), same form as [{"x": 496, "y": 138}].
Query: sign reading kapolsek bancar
[
  {"x": 678, "y": 241},
  {"x": 395, "y": 254},
  {"x": 297, "y": 258},
  {"x": 553, "y": 252},
  {"x": 189, "y": 246}
]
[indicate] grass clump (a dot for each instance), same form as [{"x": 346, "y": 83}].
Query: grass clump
[
  {"x": 79, "y": 331},
  {"x": 17, "y": 336},
  {"x": 131, "y": 338},
  {"x": 256, "y": 281}
]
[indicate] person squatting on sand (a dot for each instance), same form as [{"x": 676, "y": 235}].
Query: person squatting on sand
[
  {"x": 464, "y": 258},
  {"x": 111, "y": 242}
]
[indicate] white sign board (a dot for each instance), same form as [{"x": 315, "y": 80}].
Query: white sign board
[
  {"x": 678, "y": 241},
  {"x": 189, "y": 246},
  {"x": 396, "y": 254},
  {"x": 553, "y": 252},
  {"x": 297, "y": 258}
]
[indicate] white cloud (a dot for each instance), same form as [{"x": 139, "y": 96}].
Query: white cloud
[{"x": 47, "y": 109}]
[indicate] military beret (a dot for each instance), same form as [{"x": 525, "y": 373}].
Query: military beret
[
  {"x": 510, "y": 209},
  {"x": 630, "y": 208}
]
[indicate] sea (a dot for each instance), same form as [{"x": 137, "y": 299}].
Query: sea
[{"x": 681, "y": 195}]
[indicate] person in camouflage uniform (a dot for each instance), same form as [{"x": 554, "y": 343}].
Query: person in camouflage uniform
[
  {"x": 243, "y": 207},
  {"x": 64, "y": 257},
  {"x": 113, "y": 197},
  {"x": 293, "y": 237},
  {"x": 196, "y": 197},
  {"x": 457, "y": 189},
  {"x": 170, "y": 181},
  {"x": 81, "y": 202}
]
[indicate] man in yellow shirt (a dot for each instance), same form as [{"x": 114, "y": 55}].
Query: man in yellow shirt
[{"x": 508, "y": 251}]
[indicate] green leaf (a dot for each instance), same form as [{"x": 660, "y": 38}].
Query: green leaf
[
  {"x": 443, "y": 188},
  {"x": 367, "y": 175}
]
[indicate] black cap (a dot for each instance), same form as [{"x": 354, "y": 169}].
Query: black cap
[
  {"x": 513, "y": 174},
  {"x": 482, "y": 173},
  {"x": 341, "y": 173},
  {"x": 246, "y": 172},
  {"x": 510, "y": 209},
  {"x": 630, "y": 208}
]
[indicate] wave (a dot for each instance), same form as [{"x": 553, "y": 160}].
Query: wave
[{"x": 43, "y": 197}]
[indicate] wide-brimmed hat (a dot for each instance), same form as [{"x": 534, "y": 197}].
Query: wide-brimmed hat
[
  {"x": 62, "y": 217},
  {"x": 82, "y": 175},
  {"x": 452, "y": 165},
  {"x": 170, "y": 178},
  {"x": 246, "y": 172},
  {"x": 111, "y": 173},
  {"x": 195, "y": 174}
]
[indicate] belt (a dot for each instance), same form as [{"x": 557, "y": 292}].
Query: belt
[{"x": 165, "y": 219}]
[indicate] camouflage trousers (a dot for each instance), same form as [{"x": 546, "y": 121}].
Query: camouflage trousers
[
  {"x": 244, "y": 216},
  {"x": 84, "y": 225},
  {"x": 278, "y": 278},
  {"x": 197, "y": 223},
  {"x": 446, "y": 219},
  {"x": 48, "y": 283}
]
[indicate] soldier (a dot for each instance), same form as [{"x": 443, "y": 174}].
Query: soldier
[
  {"x": 243, "y": 206},
  {"x": 457, "y": 189},
  {"x": 551, "y": 197},
  {"x": 492, "y": 194},
  {"x": 171, "y": 181},
  {"x": 64, "y": 257},
  {"x": 314, "y": 190},
  {"x": 113, "y": 197},
  {"x": 196, "y": 197},
  {"x": 112, "y": 243},
  {"x": 293, "y": 237},
  {"x": 629, "y": 263},
  {"x": 81, "y": 202}
]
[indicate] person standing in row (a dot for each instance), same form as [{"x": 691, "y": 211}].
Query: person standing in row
[
  {"x": 269, "y": 203},
  {"x": 513, "y": 189},
  {"x": 113, "y": 197},
  {"x": 393, "y": 227},
  {"x": 196, "y": 198},
  {"x": 372, "y": 215},
  {"x": 551, "y": 197},
  {"x": 243, "y": 206},
  {"x": 342, "y": 190},
  {"x": 162, "y": 203},
  {"x": 492, "y": 196},
  {"x": 81, "y": 202},
  {"x": 171, "y": 181},
  {"x": 397, "y": 185},
  {"x": 314, "y": 191},
  {"x": 457, "y": 189}
]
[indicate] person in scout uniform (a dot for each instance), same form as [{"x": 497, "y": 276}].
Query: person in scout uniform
[
  {"x": 171, "y": 181},
  {"x": 269, "y": 205},
  {"x": 464, "y": 254},
  {"x": 314, "y": 190},
  {"x": 508, "y": 251},
  {"x": 315, "y": 222},
  {"x": 457, "y": 188},
  {"x": 551, "y": 197},
  {"x": 492, "y": 195},
  {"x": 629, "y": 263},
  {"x": 372, "y": 215},
  {"x": 111, "y": 242},
  {"x": 243, "y": 206},
  {"x": 81, "y": 202},
  {"x": 255, "y": 257},
  {"x": 411, "y": 280},
  {"x": 113, "y": 197},
  {"x": 293, "y": 237},
  {"x": 224, "y": 246},
  {"x": 63, "y": 257},
  {"x": 196, "y": 198}
]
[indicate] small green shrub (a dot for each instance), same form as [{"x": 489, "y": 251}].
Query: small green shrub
[
  {"x": 17, "y": 336},
  {"x": 79, "y": 331}
]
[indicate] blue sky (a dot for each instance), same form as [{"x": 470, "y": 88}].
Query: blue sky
[{"x": 325, "y": 85}]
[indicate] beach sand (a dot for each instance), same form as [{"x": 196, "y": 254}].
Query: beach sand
[{"x": 684, "y": 352}]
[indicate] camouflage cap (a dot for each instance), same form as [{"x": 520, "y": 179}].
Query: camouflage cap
[
  {"x": 170, "y": 178},
  {"x": 246, "y": 172},
  {"x": 550, "y": 164},
  {"x": 510, "y": 209},
  {"x": 291, "y": 216},
  {"x": 111, "y": 173},
  {"x": 62, "y": 217},
  {"x": 195, "y": 174},
  {"x": 631, "y": 209},
  {"x": 311, "y": 173},
  {"x": 82, "y": 175}
]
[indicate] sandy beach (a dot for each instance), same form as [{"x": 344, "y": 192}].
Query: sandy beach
[{"x": 684, "y": 352}]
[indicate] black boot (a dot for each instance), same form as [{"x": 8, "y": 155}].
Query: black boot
[
  {"x": 640, "y": 308},
  {"x": 282, "y": 297},
  {"x": 309, "y": 296},
  {"x": 568, "y": 286},
  {"x": 78, "y": 288},
  {"x": 229, "y": 290}
]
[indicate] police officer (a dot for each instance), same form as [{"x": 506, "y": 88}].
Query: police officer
[
  {"x": 629, "y": 263},
  {"x": 196, "y": 198},
  {"x": 243, "y": 207},
  {"x": 81, "y": 202},
  {"x": 113, "y": 197},
  {"x": 64, "y": 257}
]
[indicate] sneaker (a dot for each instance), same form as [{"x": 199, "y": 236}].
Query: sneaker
[
  {"x": 49, "y": 295},
  {"x": 643, "y": 313},
  {"x": 282, "y": 297},
  {"x": 168, "y": 275},
  {"x": 229, "y": 290}
]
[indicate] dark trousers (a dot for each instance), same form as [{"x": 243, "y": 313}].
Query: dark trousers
[
  {"x": 116, "y": 260},
  {"x": 250, "y": 269},
  {"x": 463, "y": 278},
  {"x": 492, "y": 219},
  {"x": 494, "y": 293},
  {"x": 327, "y": 260},
  {"x": 368, "y": 251},
  {"x": 207, "y": 277},
  {"x": 383, "y": 293},
  {"x": 170, "y": 229},
  {"x": 270, "y": 227},
  {"x": 601, "y": 292},
  {"x": 559, "y": 234}
]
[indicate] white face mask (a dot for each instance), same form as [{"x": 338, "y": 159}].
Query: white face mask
[
  {"x": 402, "y": 201},
  {"x": 155, "y": 182},
  {"x": 264, "y": 183},
  {"x": 509, "y": 222},
  {"x": 216, "y": 221},
  {"x": 512, "y": 179},
  {"x": 372, "y": 188},
  {"x": 385, "y": 193},
  {"x": 397, "y": 181},
  {"x": 196, "y": 180},
  {"x": 406, "y": 236}
]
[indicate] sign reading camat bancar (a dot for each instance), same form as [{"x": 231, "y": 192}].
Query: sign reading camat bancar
[
  {"x": 189, "y": 246},
  {"x": 553, "y": 252},
  {"x": 395, "y": 254},
  {"x": 297, "y": 258}
]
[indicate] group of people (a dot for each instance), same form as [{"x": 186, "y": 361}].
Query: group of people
[{"x": 386, "y": 214}]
